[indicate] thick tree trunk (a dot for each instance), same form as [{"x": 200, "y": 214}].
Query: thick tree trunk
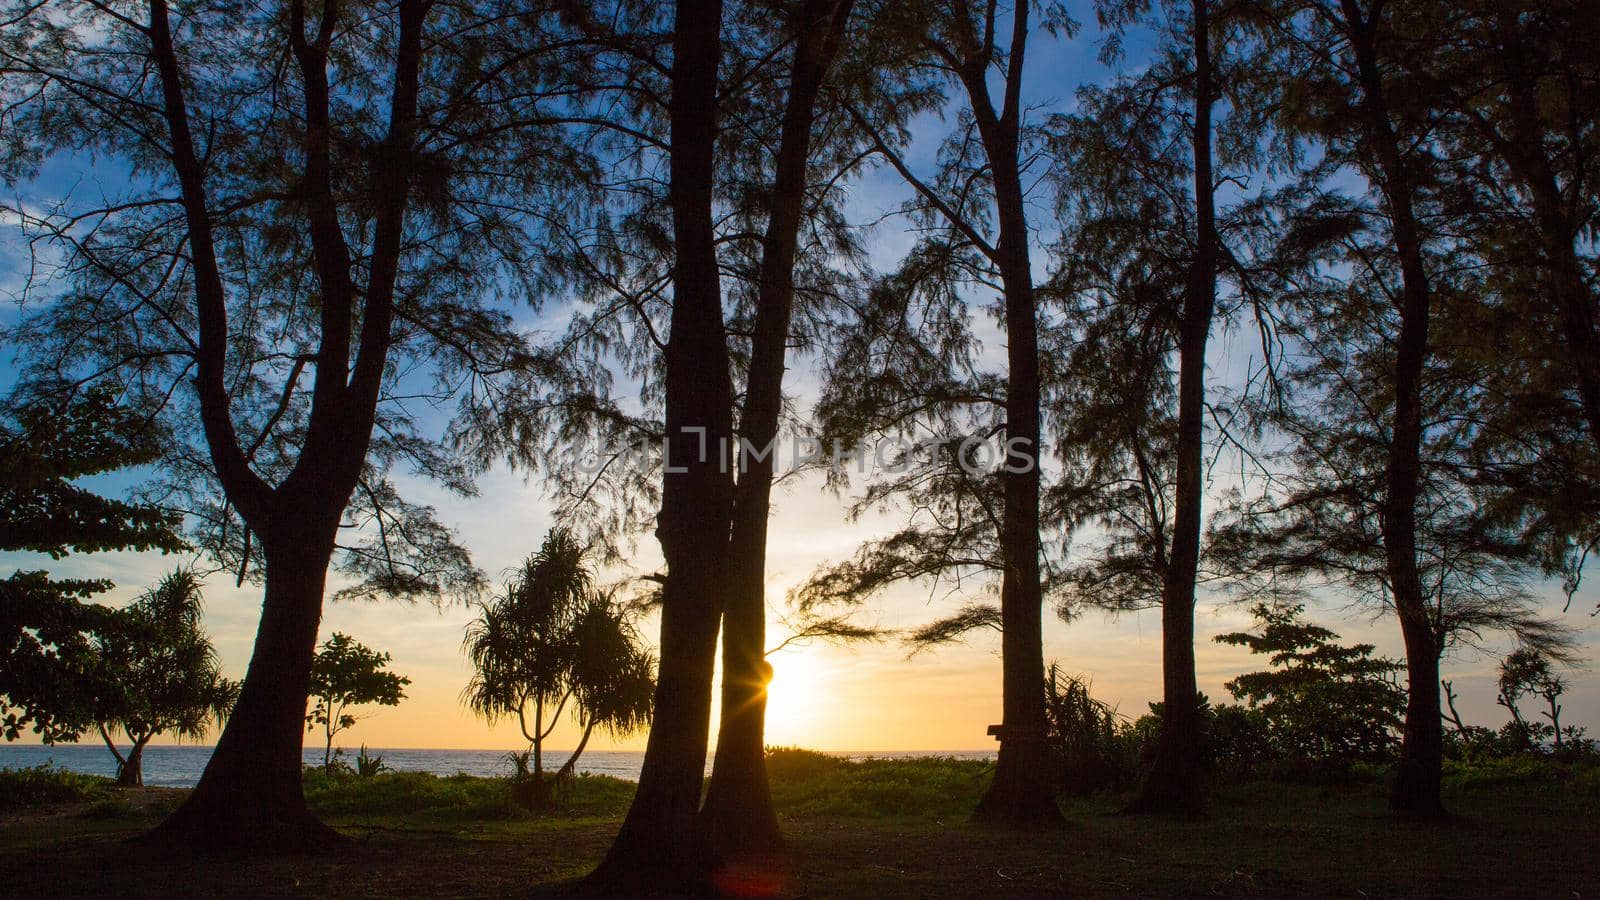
[
  {"x": 738, "y": 812},
  {"x": 249, "y": 798},
  {"x": 1022, "y": 794},
  {"x": 662, "y": 846},
  {"x": 1415, "y": 790},
  {"x": 1416, "y": 786},
  {"x": 131, "y": 772},
  {"x": 130, "y": 768},
  {"x": 1174, "y": 781}
]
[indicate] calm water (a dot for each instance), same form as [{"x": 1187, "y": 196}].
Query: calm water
[{"x": 180, "y": 766}]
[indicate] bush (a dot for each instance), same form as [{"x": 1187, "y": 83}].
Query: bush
[
  {"x": 1094, "y": 748},
  {"x": 368, "y": 766},
  {"x": 44, "y": 784}
]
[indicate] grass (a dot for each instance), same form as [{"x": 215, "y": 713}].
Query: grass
[{"x": 883, "y": 828}]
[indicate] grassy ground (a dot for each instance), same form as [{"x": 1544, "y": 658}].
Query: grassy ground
[{"x": 881, "y": 829}]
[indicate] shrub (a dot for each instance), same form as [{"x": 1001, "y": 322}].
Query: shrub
[
  {"x": 1526, "y": 770},
  {"x": 1087, "y": 738},
  {"x": 795, "y": 764},
  {"x": 368, "y": 766},
  {"x": 39, "y": 785},
  {"x": 1324, "y": 705}
]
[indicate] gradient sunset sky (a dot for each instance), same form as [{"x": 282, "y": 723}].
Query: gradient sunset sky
[{"x": 865, "y": 697}]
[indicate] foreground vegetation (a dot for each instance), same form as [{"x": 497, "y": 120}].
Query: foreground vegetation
[{"x": 875, "y": 828}]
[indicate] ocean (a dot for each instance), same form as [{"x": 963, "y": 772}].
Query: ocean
[{"x": 181, "y": 765}]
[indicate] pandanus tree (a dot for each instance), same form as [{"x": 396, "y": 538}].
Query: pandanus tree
[
  {"x": 315, "y": 205},
  {"x": 551, "y": 644},
  {"x": 162, "y": 673}
]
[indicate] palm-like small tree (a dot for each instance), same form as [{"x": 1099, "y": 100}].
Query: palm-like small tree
[
  {"x": 162, "y": 674},
  {"x": 550, "y": 643}
]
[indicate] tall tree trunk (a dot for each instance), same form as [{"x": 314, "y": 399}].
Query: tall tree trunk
[
  {"x": 1022, "y": 794},
  {"x": 1416, "y": 785},
  {"x": 538, "y": 739},
  {"x": 738, "y": 811},
  {"x": 249, "y": 798},
  {"x": 662, "y": 846},
  {"x": 1525, "y": 155},
  {"x": 1174, "y": 781}
]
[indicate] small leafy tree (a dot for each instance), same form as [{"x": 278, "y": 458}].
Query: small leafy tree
[
  {"x": 346, "y": 674},
  {"x": 162, "y": 674},
  {"x": 1324, "y": 704},
  {"x": 550, "y": 642},
  {"x": 51, "y": 679}
]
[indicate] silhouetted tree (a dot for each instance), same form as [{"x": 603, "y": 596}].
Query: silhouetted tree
[
  {"x": 1142, "y": 164},
  {"x": 1525, "y": 671},
  {"x": 1518, "y": 138},
  {"x": 321, "y": 199},
  {"x": 346, "y": 674},
  {"x": 1346, "y": 55},
  {"x": 738, "y": 807},
  {"x": 1515, "y": 87},
  {"x": 661, "y": 844},
  {"x": 981, "y": 181},
  {"x": 162, "y": 674}
]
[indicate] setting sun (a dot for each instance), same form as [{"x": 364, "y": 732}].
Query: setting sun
[{"x": 795, "y": 712}]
